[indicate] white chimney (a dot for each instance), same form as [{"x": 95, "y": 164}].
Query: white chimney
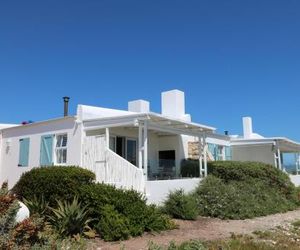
[
  {"x": 173, "y": 104},
  {"x": 139, "y": 106},
  {"x": 247, "y": 127}
]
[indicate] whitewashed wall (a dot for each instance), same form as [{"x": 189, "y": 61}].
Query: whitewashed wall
[
  {"x": 157, "y": 191},
  {"x": 260, "y": 153},
  {"x": 9, "y": 169},
  {"x": 295, "y": 179}
]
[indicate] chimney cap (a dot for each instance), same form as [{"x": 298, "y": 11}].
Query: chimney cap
[{"x": 66, "y": 98}]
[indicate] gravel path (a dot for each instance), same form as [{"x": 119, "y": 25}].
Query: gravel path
[{"x": 202, "y": 229}]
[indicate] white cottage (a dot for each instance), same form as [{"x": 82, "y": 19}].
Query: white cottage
[
  {"x": 135, "y": 148},
  {"x": 255, "y": 147}
]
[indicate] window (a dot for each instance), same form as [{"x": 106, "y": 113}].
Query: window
[
  {"x": 112, "y": 143},
  {"x": 46, "y": 155},
  {"x": 24, "y": 152},
  {"x": 61, "y": 148},
  {"x": 131, "y": 151}
]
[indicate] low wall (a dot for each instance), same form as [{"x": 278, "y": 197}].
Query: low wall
[
  {"x": 157, "y": 191},
  {"x": 295, "y": 179}
]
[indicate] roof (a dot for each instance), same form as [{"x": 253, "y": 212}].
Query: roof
[
  {"x": 283, "y": 143},
  {"x": 155, "y": 122},
  {"x": 19, "y": 126}
]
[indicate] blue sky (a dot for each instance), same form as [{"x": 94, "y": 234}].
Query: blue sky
[{"x": 231, "y": 58}]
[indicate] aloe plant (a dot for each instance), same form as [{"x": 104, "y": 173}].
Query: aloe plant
[
  {"x": 69, "y": 218},
  {"x": 37, "y": 205}
]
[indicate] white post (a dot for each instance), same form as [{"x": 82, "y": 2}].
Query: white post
[
  {"x": 107, "y": 137},
  {"x": 200, "y": 156},
  {"x": 223, "y": 153},
  {"x": 298, "y": 163},
  {"x": 107, "y": 177},
  {"x": 279, "y": 159},
  {"x": 205, "y": 156},
  {"x": 275, "y": 155},
  {"x": 140, "y": 145},
  {"x": 146, "y": 150}
]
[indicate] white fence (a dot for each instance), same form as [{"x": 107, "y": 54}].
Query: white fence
[
  {"x": 122, "y": 173},
  {"x": 109, "y": 167}
]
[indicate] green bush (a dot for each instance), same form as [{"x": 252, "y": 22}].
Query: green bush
[
  {"x": 239, "y": 190},
  {"x": 189, "y": 168},
  {"x": 112, "y": 225},
  {"x": 156, "y": 220},
  {"x": 181, "y": 206},
  {"x": 129, "y": 203},
  {"x": 69, "y": 218},
  {"x": 243, "y": 171},
  {"x": 53, "y": 183}
]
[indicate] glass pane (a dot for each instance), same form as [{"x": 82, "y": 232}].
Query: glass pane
[
  {"x": 59, "y": 140},
  {"x": 58, "y": 156},
  {"x": 64, "y": 156},
  {"x": 64, "y": 140},
  {"x": 112, "y": 143},
  {"x": 131, "y": 151}
]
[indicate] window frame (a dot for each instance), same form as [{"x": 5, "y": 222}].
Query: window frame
[{"x": 60, "y": 148}]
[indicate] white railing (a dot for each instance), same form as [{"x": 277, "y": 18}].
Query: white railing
[{"x": 121, "y": 173}]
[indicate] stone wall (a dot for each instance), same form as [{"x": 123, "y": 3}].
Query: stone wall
[{"x": 193, "y": 150}]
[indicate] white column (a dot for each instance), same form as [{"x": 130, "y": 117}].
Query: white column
[
  {"x": 146, "y": 149},
  {"x": 107, "y": 137},
  {"x": 298, "y": 163},
  {"x": 140, "y": 145},
  {"x": 200, "y": 155},
  {"x": 223, "y": 153},
  {"x": 279, "y": 159},
  {"x": 107, "y": 177},
  {"x": 205, "y": 156},
  {"x": 275, "y": 155}
]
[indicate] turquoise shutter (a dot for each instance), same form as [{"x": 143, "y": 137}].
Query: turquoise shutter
[
  {"x": 228, "y": 153},
  {"x": 212, "y": 150},
  {"x": 46, "y": 150},
  {"x": 24, "y": 152}
]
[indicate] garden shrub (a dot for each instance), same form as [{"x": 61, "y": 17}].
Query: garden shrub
[
  {"x": 22, "y": 235},
  {"x": 30, "y": 232},
  {"x": 112, "y": 225},
  {"x": 52, "y": 183},
  {"x": 239, "y": 190},
  {"x": 181, "y": 206},
  {"x": 129, "y": 203},
  {"x": 156, "y": 220},
  {"x": 242, "y": 171},
  {"x": 9, "y": 207}
]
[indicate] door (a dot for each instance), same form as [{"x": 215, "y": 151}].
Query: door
[
  {"x": 46, "y": 153},
  {"x": 131, "y": 151},
  {"x": 167, "y": 163},
  {"x": 94, "y": 156},
  {"x": 120, "y": 146}
]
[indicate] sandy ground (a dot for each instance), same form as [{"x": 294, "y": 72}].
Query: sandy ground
[{"x": 201, "y": 229}]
